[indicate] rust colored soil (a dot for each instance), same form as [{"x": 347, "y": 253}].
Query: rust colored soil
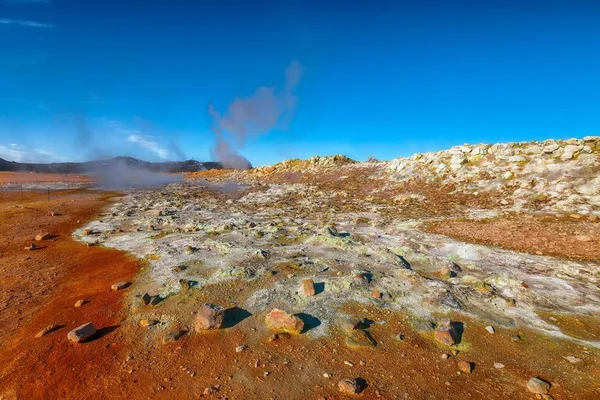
[
  {"x": 536, "y": 234},
  {"x": 26, "y": 177},
  {"x": 40, "y": 288}
]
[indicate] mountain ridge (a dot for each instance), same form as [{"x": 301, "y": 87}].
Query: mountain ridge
[{"x": 100, "y": 165}]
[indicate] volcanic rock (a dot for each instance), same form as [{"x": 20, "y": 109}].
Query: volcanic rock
[
  {"x": 445, "y": 333},
  {"x": 308, "y": 287},
  {"x": 349, "y": 386},
  {"x": 538, "y": 386},
  {"x": 278, "y": 319},
  {"x": 81, "y": 333},
  {"x": 210, "y": 316}
]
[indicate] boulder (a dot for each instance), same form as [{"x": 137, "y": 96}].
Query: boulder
[
  {"x": 82, "y": 333},
  {"x": 280, "y": 320},
  {"x": 210, "y": 316}
]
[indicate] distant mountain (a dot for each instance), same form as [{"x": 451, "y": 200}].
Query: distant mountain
[{"x": 102, "y": 165}]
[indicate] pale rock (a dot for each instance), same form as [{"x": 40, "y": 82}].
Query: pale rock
[{"x": 81, "y": 333}]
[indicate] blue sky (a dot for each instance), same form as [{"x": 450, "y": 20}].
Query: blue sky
[{"x": 88, "y": 79}]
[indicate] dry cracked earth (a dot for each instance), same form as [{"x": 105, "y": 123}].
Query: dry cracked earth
[{"x": 317, "y": 279}]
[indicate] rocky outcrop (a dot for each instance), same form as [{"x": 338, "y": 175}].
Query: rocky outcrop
[{"x": 553, "y": 175}]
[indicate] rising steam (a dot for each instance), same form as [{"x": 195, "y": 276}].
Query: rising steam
[{"x": 268, "y": 108}]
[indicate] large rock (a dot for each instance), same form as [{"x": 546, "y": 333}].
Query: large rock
[
  {"x": 280, "y": 320},
  {"x": 349, "y": 386},
  {"x": 210, "y": 316},
  {"x": 82, "y": 333},
  {"x": 445, "y": 333},
  {"x": 538, "y": 386},
  {"x": 308, "y": 287}
]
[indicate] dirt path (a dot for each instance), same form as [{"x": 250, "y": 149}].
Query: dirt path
[{"x": 40, "y": 287}]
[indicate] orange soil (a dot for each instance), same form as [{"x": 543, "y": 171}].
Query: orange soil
[
  {"x": 26, "y": 177},
  {"x": 211, "y": 173},
  {"x": 537, "y": 234},
  {"x": 40, "y": 287}
]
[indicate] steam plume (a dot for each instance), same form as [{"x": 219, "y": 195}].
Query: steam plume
[{"x": 268, "y": 108}]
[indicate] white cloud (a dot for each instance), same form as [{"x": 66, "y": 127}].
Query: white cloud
[
  {"x": 26, "y": 23},
  {"x": 14, "y": 152},
  {"x": 148, "y": 144}
]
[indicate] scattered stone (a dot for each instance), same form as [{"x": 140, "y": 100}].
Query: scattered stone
[
  {"x": 376, "y": 294},
  {"x": 465, "y": 367},
  {"x": 31, "y": 247},
  {"x": 210, "y": 316},
  {"x": 516, "y": 338},
  {"x": 348, "y": 363},
  {"x": 572, "y": 359},
  {"x": 79, "y": 303},
  {"x": 145, "y": 299},
  {"x": 498, "y": 365},
  {"x": 583, "y": 238},
  {"x": 445, "y": 333},
  {"x": 360, "y": 278},
  {"x": 264, "y": 254},
  {"x": 277, "y": 336},
  {"x": 173, "y": 335},
  {"x": 350, "y": 324},
  {"x": 81, "y": 333},
  {"x": 399, "y": 337},
  {"x": 147, "y": 322},
  {"x": 179, "y": 268},
  {"x": 360, "y": 339},
  {"x": 189, "y": 250},
  {"x": 331, "y": 230},
  {"x": 308, "y": 287},
  {"x": 445, "y": 356},
  {"x": 278, "y": 319},
  {"x": 42, "y": 236},
  {"x": 47, "y": 330},
  {"x": 447, "y": 272},
  {"x": 327, "y": 375},
  {"x": 211, "y": 390},
  {"x": 241, "y": 348},
  {"x": 490, "y": 329},
  {"x": 538, "y": 386},
  {"x": 119, "y": 286},
  {"x": 154, "y": 300},
  {"x": 349, "y": 386}
]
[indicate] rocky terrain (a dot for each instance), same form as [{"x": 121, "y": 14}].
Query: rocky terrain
[{"x": 471, "y": 271}]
